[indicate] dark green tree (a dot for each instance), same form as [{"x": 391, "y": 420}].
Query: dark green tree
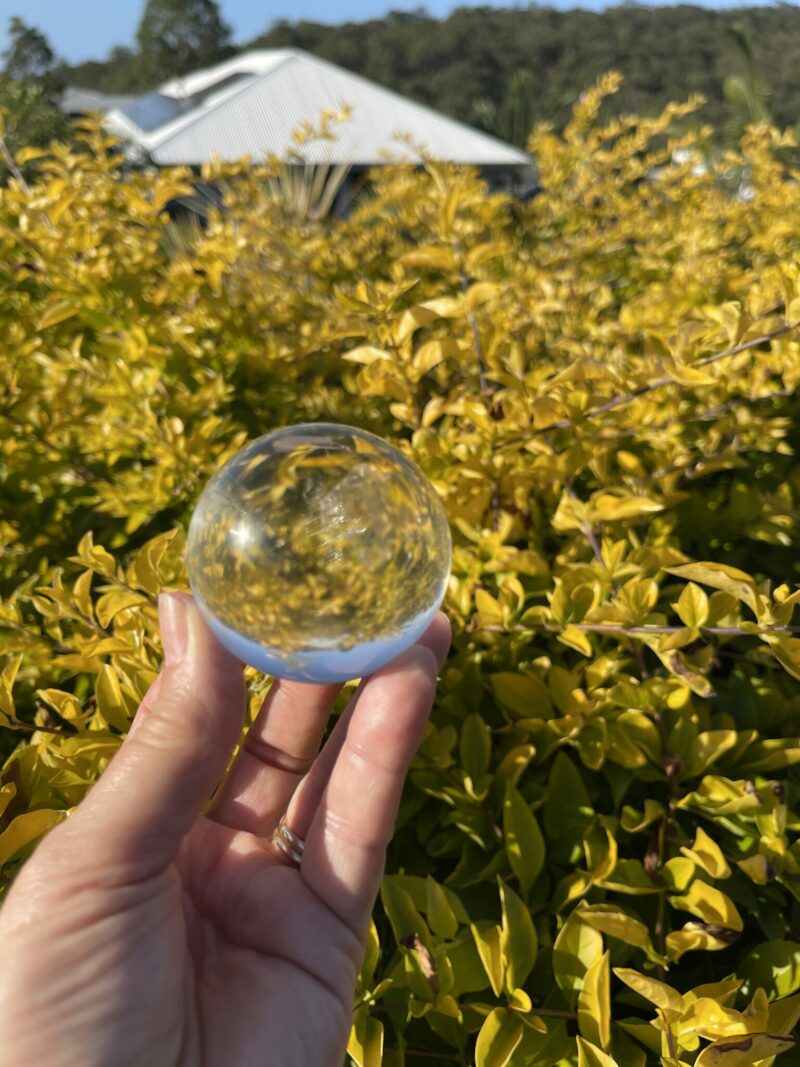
[
  {"x": 29, "y": 85},
  {"x": 177, "y": 36},
  {"x": 29, "y": 57},
  {"x": 31, "y": 119}
]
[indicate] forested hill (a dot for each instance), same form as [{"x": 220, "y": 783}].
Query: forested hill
[{"x": 505, "y": 69}]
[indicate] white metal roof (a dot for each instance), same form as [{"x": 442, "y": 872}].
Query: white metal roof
[
  {"x": 252, "y": 105},
  {"x": 75, "y": 101}
]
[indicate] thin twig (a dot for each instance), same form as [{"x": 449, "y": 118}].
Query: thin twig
[
  {"x": 472, "y": 319},
  {"x": 667, "y": 379},
  {"x": 11, "y": 163},
  {"x": 57, "y": 647},
  {"x": 658, "y": 383},
  {"x": 614, "y": 628}
]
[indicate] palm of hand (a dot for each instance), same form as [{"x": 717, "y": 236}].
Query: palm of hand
[{"x": 143, "y": 933}]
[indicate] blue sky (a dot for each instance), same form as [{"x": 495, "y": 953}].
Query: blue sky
[{"x": 88, "y": 29}]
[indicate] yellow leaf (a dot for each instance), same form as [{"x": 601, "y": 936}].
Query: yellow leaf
[
  {"x": 695, "y": 937},
  {"x": 757, "y": 869},
  {"x": 632, "y": 822},
  {"x": 590, "y": 1055},
  {"x": 687, "y": 375},
  {"x": 431, "y": 258},
  {"x": 25, "y": 829},
  {"x": 111, "y": 604},
  {"x": 490, "y": 613},
  {"x": 27, "y": 155},
  {"x": 611, "y": 921},
  {"x": 692, "y": 606},
  {"x": 659, "y": 993},
  {"x": 431, "y": 354},
  {"x": 707, "y": 854},
  {"x": 743, "y": 1051},
  {"x": 58, "y": 312},
  {"x": 710, "y": 905},
  {"x": 498, "y": 1038},
  {"x": 480, "y": 292},
  {"x": 367, "y": 354},
  {"x": 719, "y": 576},
  {"x": 594, "y": 1003},
  {"x": 576, "y": 638},
  {"x": 446, "y": 307},
  {"x": 110, "y": 701},
  {"x": 706, "y": 1018},
  {"x": 480, "y": 254},
  {"x": 678, "y": 872},
  {"x": 615, "y": 507}
]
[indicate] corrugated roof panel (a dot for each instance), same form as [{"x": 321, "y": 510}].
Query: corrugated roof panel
[{"x": 261, "y": 118}]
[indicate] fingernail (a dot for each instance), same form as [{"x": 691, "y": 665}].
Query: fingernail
[{"x": 173, "y": 614}]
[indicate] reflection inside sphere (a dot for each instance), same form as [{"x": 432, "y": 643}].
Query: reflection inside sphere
[{"x": 319, "y": 552}]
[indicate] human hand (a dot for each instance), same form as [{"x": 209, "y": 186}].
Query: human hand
[{"x": 143, "y": 932}]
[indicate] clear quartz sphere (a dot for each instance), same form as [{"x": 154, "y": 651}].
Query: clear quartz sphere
[{"x": 318, "y": 553}]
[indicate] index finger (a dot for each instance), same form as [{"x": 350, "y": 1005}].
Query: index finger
[{"x": 345, "y": 847}]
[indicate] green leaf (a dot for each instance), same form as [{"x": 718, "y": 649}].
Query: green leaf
[
  {"x": 469, "y": 974},
  {"x": 567, "y": 811},
  {"x": 524, "y": 696},
  {"x": 441, "y": 916},
  {"x": 524, "y": 843},
  {"x": 784, "y": 1015},
  {"x": 576, "y": 948},
  {"x": 518, "y": 939},
  {"x": 366, "y": 1041},
  {"x": 475, "y": 747},
  {"x": 405, "y": 920},
  {"x": 773, "y": 967},
  {"x": 488, "y": 941},
  {"x": 498, "y": 1039}
]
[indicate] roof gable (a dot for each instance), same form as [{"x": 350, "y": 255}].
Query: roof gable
[{"x": 251, "y": 106}]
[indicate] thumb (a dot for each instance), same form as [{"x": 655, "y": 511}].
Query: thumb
[{"x": 175, "y": 754}]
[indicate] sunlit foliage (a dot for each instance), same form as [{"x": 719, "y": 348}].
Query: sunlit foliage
[{"x": 596, "y": 860}]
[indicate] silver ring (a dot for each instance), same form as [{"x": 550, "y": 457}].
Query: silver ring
[{"x": 290, "y": 843}]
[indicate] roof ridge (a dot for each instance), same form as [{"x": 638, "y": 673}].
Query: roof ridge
[{"x": 165, "y": 133}]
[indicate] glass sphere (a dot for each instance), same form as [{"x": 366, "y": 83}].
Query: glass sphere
[{"x": 318, "y": 553}]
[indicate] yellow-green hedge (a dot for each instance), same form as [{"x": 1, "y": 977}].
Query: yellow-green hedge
[{"x": 596, "y": 861}]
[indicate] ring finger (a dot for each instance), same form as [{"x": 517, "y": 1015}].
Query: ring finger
[{"x": 277, "y": 752}]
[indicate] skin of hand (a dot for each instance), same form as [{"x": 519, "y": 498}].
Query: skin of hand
[{"x": 144, "y": 932}]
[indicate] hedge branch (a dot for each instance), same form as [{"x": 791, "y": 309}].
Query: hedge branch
[
  {"x": 615, "y": 628},
  {"x": 658, "y": 383}
]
